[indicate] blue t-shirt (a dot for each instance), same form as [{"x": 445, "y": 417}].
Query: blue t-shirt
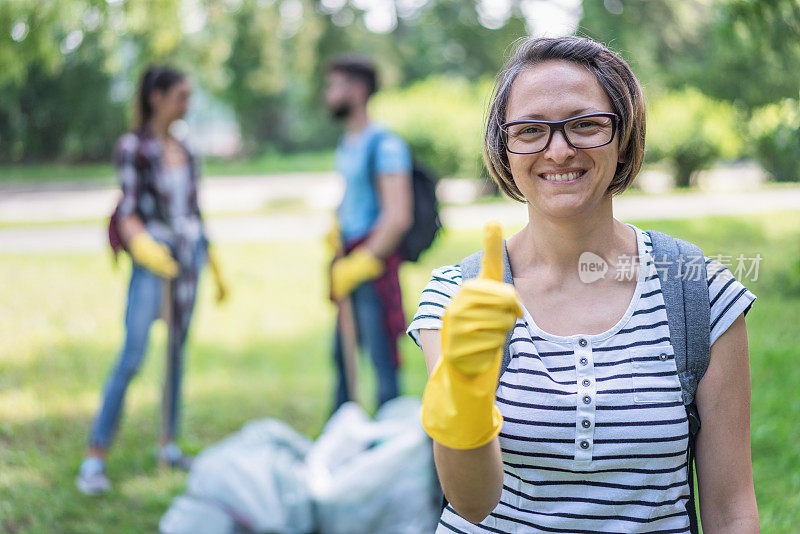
[{"x": 360, "y": 207}]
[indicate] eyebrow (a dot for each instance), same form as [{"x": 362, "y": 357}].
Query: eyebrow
[{"x": 573, "y": 113}]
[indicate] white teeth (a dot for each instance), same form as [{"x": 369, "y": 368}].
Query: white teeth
[{"x": 562, "y": 177}]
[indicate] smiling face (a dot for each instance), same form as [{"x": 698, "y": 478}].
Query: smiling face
[{"x": 561, "y": 181}]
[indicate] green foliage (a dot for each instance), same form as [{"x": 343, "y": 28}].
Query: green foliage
[
  {"x": 743, "y": 51},
  {"x": 55, "y": 95},
  {"x": 67, "y": 102},
  {"x": 103, "y": 174},
  {"x": 690, "y": 130},
  {"x": 442, "y": 120},
  {"x": 272, "y": 71},
  {"x": 775, "y": 133},
  {"x": 652, "y": 36},
  {"x": 68, "y": 69}
]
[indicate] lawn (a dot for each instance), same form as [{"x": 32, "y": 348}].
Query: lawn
[
  {"x": 265, "y": 354},
  {"x": 102, "y": 173}
]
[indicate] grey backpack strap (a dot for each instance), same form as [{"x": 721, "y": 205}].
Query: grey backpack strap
[
  {"x": 470, "y": 267},
  {"x": 681, "y": 269},
  {"x": 685, "y": 290},
  {"x": 697, "y": 310}
]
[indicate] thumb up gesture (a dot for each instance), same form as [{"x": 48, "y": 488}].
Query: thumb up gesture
[
  {"x": 482, "y": 313},
  {"x": 458, "y": 408}
]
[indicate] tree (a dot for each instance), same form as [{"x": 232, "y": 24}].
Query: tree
[{"x": 743, "y": 51}]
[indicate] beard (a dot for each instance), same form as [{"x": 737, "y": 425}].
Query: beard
[{"x": 340, "y": 111}]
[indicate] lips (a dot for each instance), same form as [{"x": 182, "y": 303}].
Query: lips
[{"x": 562, "y": 176}]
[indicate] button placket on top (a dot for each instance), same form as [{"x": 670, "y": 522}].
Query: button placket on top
[{"x": 585, "y": 402}]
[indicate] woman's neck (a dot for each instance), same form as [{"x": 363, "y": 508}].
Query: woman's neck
[
  {"x": 159, "y": 128},
  {"x": 557, "y": 244}
]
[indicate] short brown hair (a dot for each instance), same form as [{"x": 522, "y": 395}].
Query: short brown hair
[
  {"x": 614, "y": 75},
  {"x": 356, "y": 67}
]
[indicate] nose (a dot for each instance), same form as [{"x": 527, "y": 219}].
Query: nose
[{"x": 558, "y": 150}]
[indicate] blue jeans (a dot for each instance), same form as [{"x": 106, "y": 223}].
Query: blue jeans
[
  {"x": 144, "y": 303},
  {"x": 372, "y": 336}
]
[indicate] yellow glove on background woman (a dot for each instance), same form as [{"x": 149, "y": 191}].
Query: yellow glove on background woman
[
  {"x": 219, "y": 282},
  {"x": 458, "y": 408},
  {"x": 152, "y": 255},
  {"x": 333, "y": 239}
]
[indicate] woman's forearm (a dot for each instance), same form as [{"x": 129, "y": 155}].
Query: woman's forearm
[
  {"x": 742, "y": 522},
  {"x": 472, "y": 479}
]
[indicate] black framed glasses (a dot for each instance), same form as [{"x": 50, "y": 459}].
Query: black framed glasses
[{"x": 584, "y": 131}]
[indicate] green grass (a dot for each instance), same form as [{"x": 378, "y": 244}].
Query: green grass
[
  {"x": 103, "y": 173},
  {"x": 266, "y": 354},
  {"x": 271, "y": 163}
]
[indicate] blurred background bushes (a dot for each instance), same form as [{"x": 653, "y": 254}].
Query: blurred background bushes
[
  {"x": 689, "y": 131},
  {"x": 68, "y": 71},
  {"x": 775, "y": 134},
  {"x": 442, "y": 120}
]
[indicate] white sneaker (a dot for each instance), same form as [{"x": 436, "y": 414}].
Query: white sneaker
[
  {"x": 92, "y": 479},
  {"x": 172, "y": 456}
]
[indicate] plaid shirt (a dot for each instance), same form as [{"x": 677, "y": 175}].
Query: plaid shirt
[{"x": 145, "y": 193}]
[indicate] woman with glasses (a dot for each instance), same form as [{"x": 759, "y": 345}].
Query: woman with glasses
[{"x": 586, "y": 429}]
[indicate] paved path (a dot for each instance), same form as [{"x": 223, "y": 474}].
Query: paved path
[
  {"x": 76, "y": 201},
  {"x": 298, "y": 206}
]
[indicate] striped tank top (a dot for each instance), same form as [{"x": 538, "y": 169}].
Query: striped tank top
[{"x": 595, "y": 434}]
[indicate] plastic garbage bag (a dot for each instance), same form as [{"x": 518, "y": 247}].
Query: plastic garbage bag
[
  {"x": 187, "y": 514},
  {"x": 256, "y": 476},
  {"x": 374, "y": 477}
]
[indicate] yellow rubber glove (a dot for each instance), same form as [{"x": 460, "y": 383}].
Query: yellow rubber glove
[
  {"x": 153, "y": 256},
  {"x": 351, "y": 271},
  {"x": 334, "y": 238},
  {"x": 219, "y": 282},
  {"x": 458, "y": 408}
]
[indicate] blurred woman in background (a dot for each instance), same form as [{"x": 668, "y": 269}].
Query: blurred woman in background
[{"x": 158, "y": 222}]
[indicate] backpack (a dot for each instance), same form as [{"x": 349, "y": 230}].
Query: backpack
[
  {"x": 688, "y": 316},
  {"x": 426, "y": 223},
  {"x": 115, "y": 240},
  {"x": 114, "y": 237}
]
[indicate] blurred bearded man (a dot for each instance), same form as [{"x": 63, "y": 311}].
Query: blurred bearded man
[{"x": 374, "y": 215}]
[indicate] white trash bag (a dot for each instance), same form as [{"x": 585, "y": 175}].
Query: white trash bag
[
  {"x": 256, "y": 476},
  {"x": 374, "y": 477},
  {"x": 187, "y": 514}
]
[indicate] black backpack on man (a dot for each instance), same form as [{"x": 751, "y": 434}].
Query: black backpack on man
[{"x": 426, "y": 223}]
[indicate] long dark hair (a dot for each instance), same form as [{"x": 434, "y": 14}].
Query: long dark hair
[{"x": 155, "y": 78}]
